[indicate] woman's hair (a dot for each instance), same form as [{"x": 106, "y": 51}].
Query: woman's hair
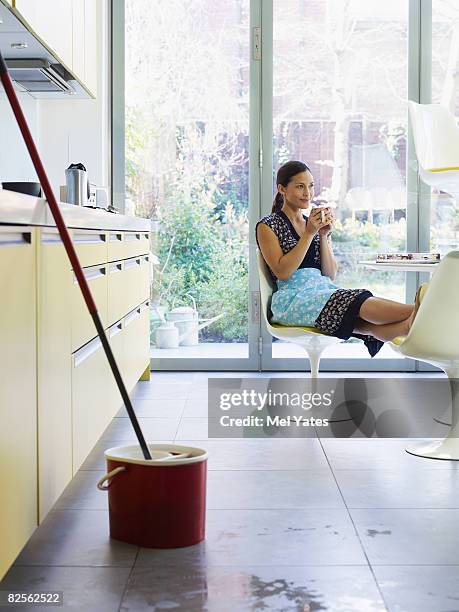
[{"x": 284, "y": 175}]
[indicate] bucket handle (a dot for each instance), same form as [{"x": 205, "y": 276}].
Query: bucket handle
[{"x": 109, "y": 476}]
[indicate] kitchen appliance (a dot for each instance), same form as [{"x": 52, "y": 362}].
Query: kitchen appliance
[
  {"x": 38, "y": 75},
  {"x": 28, "y": 188},
  {"x": 76, "y": 179}
]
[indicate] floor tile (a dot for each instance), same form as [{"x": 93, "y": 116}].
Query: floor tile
[
  {"x": 408, "y": 537},
  {"x": 153, "y": 429},
  {"x": 92, "y": 589},
  {"x": 239, "y": 589},
  {"x": 196, "y": 408},
  {"x": 272, "y": 489},
  {"x": 172, "y": 390},
  {"x": 379, "y": 454},
  {"x": 162, "y": 408},
  {"x": 263, "y": 454},
  {"x": 419, "y": 589},
  {"x": 82, "y": 493},
  {"x": 76, "y": 537},
  {"x": 270, "y": 538},
  {"x": 398, "y": 489},
  {"x": 198, "y": 429}
]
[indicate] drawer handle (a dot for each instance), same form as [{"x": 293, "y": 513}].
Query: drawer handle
[
  {"x": 132, "y": 316},
  {"x": 130, "y": 263},
  {"x": 15, "y": 238},
  {"x": 81, "y": 238},
  {"x": 115, "y": 329},
  {"x": 114, "y": 237},
  {"x": 50, "y": 238},
  {"x": 86, "y": 350},
  {"x": 91, "y": 273},
  {"x": 116, "y": 267}
]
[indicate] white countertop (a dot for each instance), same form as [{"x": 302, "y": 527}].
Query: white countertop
[{"x": 16, "y": 208}]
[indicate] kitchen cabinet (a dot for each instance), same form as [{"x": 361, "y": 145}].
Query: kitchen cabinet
[
  {"x": 52, "y": 22},
  {"x": 92, "y": 59},
  {"x": 116, "y": 340},
  {"x": 81, "y": 322},
  {"x": 90, "y": 382},
  {"x": 136, "y": 343},
  {"x": 57, "y": 391},
  {"x": 18, "y": 389},
  {"x": 78, "y": 42},
  {"x": 70, "y": 29},
  {"x": 54, "y": 369}
]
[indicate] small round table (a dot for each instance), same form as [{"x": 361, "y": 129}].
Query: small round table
[{"x": 400, "y": 266}]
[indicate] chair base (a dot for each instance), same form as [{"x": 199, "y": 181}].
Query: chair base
[{"x": 447, "y": 449}]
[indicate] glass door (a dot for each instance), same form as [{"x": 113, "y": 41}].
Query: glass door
[
  {"x": 338, "y": 70},
  {"x": 191, "y": 100}
]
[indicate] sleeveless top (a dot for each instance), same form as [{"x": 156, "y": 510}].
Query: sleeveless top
[{"x": 288, "y": 238}]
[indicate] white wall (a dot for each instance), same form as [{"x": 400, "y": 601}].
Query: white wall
[
  {"x": 78, "y": 130},
  {"x": 15, "y": 164}
]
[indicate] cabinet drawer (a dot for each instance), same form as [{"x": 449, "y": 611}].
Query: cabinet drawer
[
  {"x": 83, "y": 328},
  {"x": 54, "y": 370},
  {"x": 136, "y": 243},
  {"x": 116, "y": 339},
  {"x": 136, "y": 343},
  {"x": 91, "y": 246},
  {"x": 132, "y": 283},
  {"x": 122, "y": 245},
  {"x": 90, "y": 377},
  {"x": 115, "y": 246},
  {"x": 18, "y": 417},
  {"x": 145, "y": 278},
  {"x": 118, "y": 298}
]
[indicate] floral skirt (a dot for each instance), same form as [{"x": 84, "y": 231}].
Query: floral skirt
[{"x": 311, "y": 300}]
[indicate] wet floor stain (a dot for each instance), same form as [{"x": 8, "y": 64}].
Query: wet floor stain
[
  {"x": 300, "y": 529},
  {"x": 287, "y": 594},
  {"x": 374, "y": 532}
]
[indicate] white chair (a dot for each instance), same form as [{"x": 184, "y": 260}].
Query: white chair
[
  {"x": 436, "y": 139},
  {"x": 313, "y": 341},
  {"x": 434, "y": 338}
]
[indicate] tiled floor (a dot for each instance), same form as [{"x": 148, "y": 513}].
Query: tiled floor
[{"x": 343, "y": 525}]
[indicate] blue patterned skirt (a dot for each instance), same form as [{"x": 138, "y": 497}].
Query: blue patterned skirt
[{"x": 311, "y": 300}]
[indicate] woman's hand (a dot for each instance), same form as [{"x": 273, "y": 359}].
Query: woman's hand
[
  {"x": 316, "y": 225},
  {"x": 329, "y": 223}
]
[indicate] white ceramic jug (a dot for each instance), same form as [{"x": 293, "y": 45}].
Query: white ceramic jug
[{"x": 167, "y": 336}]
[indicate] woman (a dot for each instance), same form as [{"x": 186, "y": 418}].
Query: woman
[{"x": 298, "y": 251}]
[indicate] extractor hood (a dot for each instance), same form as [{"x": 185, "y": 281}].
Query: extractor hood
[
  {"x": 34, "y": 68},
  {"x": 39, "y": 75}
]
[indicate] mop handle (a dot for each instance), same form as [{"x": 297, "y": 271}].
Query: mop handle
[{"x": 65, "y": 236}]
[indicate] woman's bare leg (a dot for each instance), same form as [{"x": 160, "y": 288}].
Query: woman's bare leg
[
  {"x": 384, "y": 332},
  {"x": 381, "y": 311}
]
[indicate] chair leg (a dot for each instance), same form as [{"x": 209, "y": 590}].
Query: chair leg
[
  {"x": 314, "y": 355},
  {"x": 448, "y": 448}
]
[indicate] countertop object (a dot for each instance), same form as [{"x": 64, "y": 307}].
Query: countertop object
[
  {"x": 400, "y": 266},
  {"x": 16, "y": 208}
]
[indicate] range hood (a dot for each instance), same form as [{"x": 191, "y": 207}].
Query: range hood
[
  {"x": 35, "y": 69},
  {"x": 39, "y": 75}
]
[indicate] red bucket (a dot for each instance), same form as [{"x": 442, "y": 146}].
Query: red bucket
[{"x": 159, "y": 503}]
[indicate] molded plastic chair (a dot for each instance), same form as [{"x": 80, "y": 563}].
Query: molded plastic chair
[
  {"x": 312, "y": 340},
  {"x": 434, "y": 338},
  {"x": 436, "y": 138}
]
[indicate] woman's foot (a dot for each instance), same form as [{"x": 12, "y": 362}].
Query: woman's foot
[{"x": 417, "y": 302}]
